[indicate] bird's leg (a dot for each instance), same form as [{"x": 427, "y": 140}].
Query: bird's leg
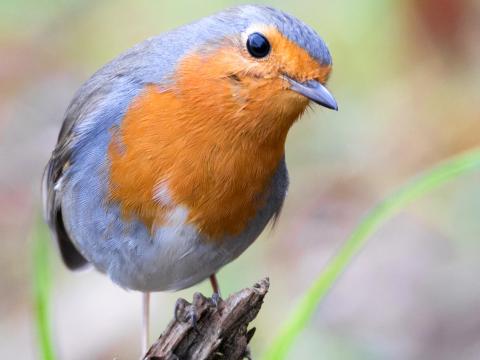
[
  {"x": 145, "y": 321},
  {"x": 216, "y": 297}
]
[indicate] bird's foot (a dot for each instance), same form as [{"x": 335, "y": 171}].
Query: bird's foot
[
  {"x": 190, "y": 313},
  {"x": 216, "y": 300},
  {"x": 187, "y": 313}
]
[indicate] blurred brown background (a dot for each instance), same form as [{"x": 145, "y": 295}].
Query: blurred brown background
[{"x": 407, "y": 79}]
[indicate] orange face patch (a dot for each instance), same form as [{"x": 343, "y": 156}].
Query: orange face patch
[{"x": 215, "y": 138}]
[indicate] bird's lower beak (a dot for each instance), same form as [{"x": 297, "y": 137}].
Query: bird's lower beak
[{"x": 314, "y": 91}]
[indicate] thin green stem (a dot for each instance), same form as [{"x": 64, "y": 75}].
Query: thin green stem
[
  {"x": 424, "y": 183},
  {"x": 41, "y": 277}
]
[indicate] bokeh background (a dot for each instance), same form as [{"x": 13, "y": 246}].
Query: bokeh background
[{"x": 407, "y": 79}]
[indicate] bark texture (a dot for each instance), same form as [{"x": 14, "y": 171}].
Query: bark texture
[{"x": 211, "y": 329}]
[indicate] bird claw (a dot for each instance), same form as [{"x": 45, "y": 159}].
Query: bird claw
[
  {"x": 192, "y": 318},
  {"x": 180, "y": 305},
  {"x": 216, "y": 300},
  {"x": 190, "y": 311},
  {"x": 191, "y": 315}
]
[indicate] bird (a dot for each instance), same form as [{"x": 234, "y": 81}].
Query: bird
[{"x": 170, "y": 160}]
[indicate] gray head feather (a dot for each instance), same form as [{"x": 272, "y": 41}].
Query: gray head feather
[{"x": 154, "y": 60}]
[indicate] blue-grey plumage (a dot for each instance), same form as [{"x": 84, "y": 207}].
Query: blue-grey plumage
[{"x": 91, "y": 229}]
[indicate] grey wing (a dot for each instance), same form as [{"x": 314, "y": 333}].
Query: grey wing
[
  {"x": 90, "y": 97},
  {"x": 84, "y": 101},
  {"x": 98, "y": 104},
  {"x": 52, "y": 210}
]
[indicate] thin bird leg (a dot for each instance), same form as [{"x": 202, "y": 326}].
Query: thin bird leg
[
  {"x": 216, "y": 297},
  {"x": 145, "y": 321}
]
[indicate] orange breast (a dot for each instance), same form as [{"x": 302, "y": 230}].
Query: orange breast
[{"x": 214, "y": 141}]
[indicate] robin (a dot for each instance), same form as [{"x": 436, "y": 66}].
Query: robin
[{"x": 171, "y": 158}]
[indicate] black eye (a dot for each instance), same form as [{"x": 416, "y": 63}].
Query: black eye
[{"x": 258, "y": 45}]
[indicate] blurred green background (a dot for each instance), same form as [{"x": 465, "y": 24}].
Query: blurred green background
[{"x": 407, "y": 79}]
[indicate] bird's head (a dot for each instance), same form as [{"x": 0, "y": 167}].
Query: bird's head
[
  {"x": 255, "y": 66},
  {"x": 220, "y": 96}
]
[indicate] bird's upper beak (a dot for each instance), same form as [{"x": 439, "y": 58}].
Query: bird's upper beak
[{"x": 314, "y": 91}]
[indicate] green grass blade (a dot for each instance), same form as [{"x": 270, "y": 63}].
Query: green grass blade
[
  {"x": 41, "y": 277},
  {"x": 420, "y": 185}
]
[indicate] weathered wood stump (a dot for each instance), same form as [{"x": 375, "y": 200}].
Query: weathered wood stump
[{"x": 221, "y": 330}]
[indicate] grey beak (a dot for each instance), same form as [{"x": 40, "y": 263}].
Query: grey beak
[{"x": 314, "y": 91}]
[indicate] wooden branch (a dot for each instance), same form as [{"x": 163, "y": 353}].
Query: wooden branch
[{"x": 221, "y": 330}]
